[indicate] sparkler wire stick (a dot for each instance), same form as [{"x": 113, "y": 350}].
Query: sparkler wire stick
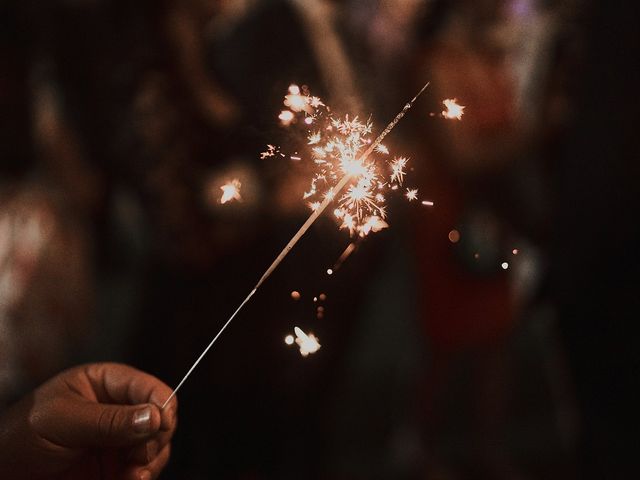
[{"x": 312, "y": 218}]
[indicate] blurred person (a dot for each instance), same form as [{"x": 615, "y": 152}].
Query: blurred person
[
  {"x": 45, "y": 289},
  {"x": 45, "y": 277},
  {"x": 97, "y": 421},
  {"x": 488, "y": 184}
]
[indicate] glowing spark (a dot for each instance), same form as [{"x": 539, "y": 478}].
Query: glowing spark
[
  {"x": 315, "y": 138},
  {"x": 453, "y": 110},
  {"x": 382, "y": 149},
  {"x": 286, "y": 117},
  {"x": 230, "y": 191},
  {"x": 307, "y": 343},
  {"x": 373, "y": 224},
  {"x": 295, "y": 158},
  {"x": 412, "y": 194},
  {"x": 314, "y": 206},
  {"x": 454, "y": 236},
  {"x": 269, "y": 152},
  {"x": 397, "y": 169},
  {"x": 505, "y": 265},
  {"x": 515, "y": 251},
  {"x": 289, "y": 340},
  {"x": 295, "y": 295},
  {"x": 297, "y": 101},
  {"x": 315, "y": 102},
  {"x": 427, "y": 203},
  {"x": 329, "y": 271}
]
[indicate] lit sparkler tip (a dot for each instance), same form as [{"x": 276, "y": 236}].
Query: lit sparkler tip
[
  {"x": 453, "y": 109},
  {"x": 230, "y": 191}
]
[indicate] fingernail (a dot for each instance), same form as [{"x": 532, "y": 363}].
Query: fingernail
[
  {"x": 142, "y": 420},
  {"x": 144, "y": 475}
]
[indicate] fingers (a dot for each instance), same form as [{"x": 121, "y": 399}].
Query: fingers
[
  {"x": 147, "y": 451},
  {"x": 117, "y": 383},
  {"x": 152, "y": 469},
  {"x": 71, "y": 421}
]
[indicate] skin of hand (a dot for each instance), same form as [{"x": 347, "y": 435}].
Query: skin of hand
[{"x": 97, "y": 421}]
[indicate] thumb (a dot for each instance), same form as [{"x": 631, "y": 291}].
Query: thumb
[{"x": 107, "y": 425}]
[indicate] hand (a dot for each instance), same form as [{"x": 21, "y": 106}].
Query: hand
[{"x": 98, "y": 421}]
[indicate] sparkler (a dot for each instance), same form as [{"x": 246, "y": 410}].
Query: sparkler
[{"x": 352, "y": 166}]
